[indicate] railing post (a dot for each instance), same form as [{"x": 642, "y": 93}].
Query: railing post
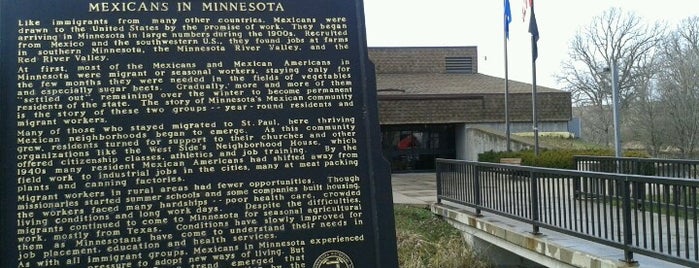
[
  {"x": 639, "y": 188},
  {"x": 626, "y": 211},
  {"x": 534, "y": 193},
  {"x": 439, "y": 180},
  {"x": 576, "y": 181},
  {"x": 477, "y": 189}
]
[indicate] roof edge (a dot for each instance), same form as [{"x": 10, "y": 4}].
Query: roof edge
[{"x": 414, "y": 47}]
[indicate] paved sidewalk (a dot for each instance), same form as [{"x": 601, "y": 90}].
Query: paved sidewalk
[{"x": 414, "y": 188}]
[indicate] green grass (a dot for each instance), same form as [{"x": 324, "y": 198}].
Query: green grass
[{"x": 424, "y": 240}]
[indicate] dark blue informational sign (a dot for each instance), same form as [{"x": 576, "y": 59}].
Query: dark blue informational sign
[{"x": 190, "y": 134}]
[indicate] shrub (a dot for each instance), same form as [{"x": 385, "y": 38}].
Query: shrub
[{"x": 560, "y": 159}]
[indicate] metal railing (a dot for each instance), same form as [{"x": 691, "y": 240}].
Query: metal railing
[
  {"x": 674, "y": 168},
  {"x": 662, "y": 223}
]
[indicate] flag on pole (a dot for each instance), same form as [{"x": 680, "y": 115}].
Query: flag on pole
[
  {"x": 534, "y": 30},
  {"x": 525, "y": 6},
  {"x": 508, "y": 18}
]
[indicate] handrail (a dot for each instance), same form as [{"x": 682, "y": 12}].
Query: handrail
[
  {"x": 674, "y": 168},
  {"x": 661, "y": 221}
]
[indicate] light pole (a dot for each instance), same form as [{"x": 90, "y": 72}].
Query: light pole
[
  {"x": 615, "y": 99},
  {"x": 615, "y": 108}
]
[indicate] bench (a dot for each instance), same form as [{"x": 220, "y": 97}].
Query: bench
[
  {"x": 511, "y": 161},
  {"x": 515, "y": 174}
]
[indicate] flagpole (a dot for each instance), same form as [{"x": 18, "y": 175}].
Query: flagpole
[
  {"x": 534, "y": 30},
  {"x": 507, "y": 89},
  {"x": 535, "y": 116}
]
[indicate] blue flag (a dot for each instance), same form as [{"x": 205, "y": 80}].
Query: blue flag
[{"x": 508, "y": 18}]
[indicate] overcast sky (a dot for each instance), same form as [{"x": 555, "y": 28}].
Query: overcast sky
[{"x": 479, "y": 23}]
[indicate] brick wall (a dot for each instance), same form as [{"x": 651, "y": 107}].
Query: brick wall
[{"x": 422, "y": 98}]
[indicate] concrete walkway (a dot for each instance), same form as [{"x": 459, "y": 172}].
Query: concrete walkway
[{"x": 414, "y": 188}]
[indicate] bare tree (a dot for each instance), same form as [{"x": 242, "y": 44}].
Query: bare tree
[
  {"x": 614, "y": 37},
  {"x": 597, "y": 123},
  {"x": 679, "y": 85},
  {"x": 647, "y": 118}
]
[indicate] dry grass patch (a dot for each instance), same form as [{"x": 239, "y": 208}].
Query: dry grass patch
[{"x": 424, "y": 240}]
